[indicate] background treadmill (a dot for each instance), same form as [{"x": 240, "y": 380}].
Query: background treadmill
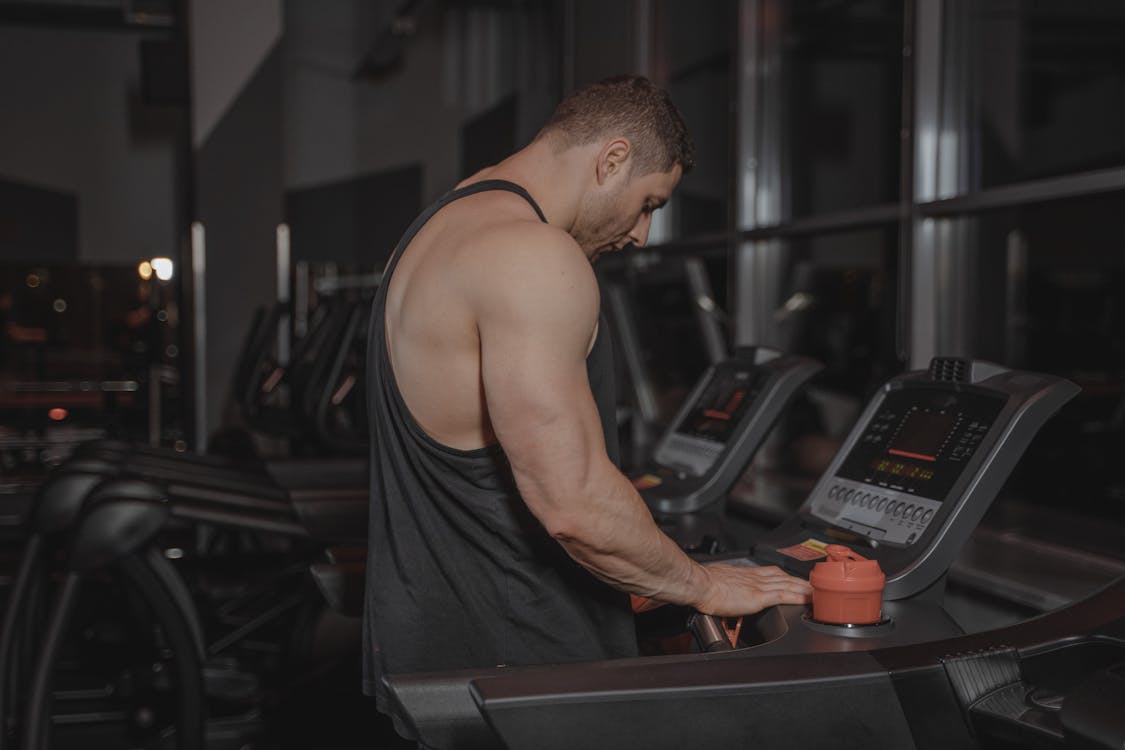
[
  {"x": 965, "y": 423},
  {"x": 713, "y": 438},
  {"x": 719, "y": 427}
]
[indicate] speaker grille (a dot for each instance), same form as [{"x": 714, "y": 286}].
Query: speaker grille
[{"x": 949, "y": 369}]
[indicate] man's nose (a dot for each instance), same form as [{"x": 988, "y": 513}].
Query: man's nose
[{"x": 638, "y": 235}]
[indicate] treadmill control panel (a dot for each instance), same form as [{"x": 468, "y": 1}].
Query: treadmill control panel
[
  {"x": 719, "y": 428},
  {"x": 923, "y": 463},
  {"x": 698, "y": 436},
  {"x": 905, "y": 462}
]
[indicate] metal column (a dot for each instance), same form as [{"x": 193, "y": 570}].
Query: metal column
[
  {"x": 199, "y": 344},
  {"x": 927, "y": 120},
  {"x": 758, "y": 265}
]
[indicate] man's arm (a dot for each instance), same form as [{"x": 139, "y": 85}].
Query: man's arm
[{"x": 536, "y": 317}]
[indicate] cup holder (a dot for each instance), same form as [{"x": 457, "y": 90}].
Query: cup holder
[{"x": 869, "y": 630}]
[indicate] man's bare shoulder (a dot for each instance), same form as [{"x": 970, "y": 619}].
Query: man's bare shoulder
[
  {"x": 518, "y": 239},
  {"x": 518, "y": 259}
]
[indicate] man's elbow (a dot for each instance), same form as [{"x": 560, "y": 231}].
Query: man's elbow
[
  {"x": 570, "y": 505},
  {"x": 564, "y": 525},
  {"x": 576, "y": 530}
]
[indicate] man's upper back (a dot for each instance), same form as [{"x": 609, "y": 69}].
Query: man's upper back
[{"x": 470, "y": 256}]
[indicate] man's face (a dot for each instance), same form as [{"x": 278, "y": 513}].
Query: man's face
[{"x": 622, "y": 214}]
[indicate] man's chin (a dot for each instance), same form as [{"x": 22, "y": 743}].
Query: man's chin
[{"x": 605, "y": 250}]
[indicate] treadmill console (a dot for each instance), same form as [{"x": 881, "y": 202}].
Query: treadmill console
[
  {"x": 904, "y": 464},
  {"x": 917, "y": 472},
  {"x": 720, "y": 427}
]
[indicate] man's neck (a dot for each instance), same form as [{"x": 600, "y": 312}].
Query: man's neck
[{"x": 554, "y": 180}]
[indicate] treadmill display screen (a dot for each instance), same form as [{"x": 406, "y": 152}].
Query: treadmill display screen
[
  {"x": 722, "y": 403},
  {"x": 921, "y": 435},
  {"x": 920, "y": 440}
]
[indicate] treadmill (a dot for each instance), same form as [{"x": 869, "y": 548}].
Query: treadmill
[
  {"x": 713, "y": 438},
  {"x": 918, "y": 470},
  {"x": 719, "y": 427}
]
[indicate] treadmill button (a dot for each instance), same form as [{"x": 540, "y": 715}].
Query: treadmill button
[
  {"x": 908, "y": 513},
  {"x": 849, "y": 495},
  {"x": 882, "y": 504},
  {"x": 897, "y": 510},
  {"x": 927, "y": 516},
  {"x": 917, "y": 513}
]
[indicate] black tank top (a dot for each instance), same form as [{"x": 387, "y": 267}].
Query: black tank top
[{"x": 460, "y": 574}]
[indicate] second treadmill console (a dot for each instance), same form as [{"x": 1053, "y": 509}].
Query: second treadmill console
[
  {"x": 720, "y": 427},
  {"x": 918, "y": 471}
]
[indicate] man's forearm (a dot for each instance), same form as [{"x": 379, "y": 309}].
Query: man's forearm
[{"x": 609, "y": 531}]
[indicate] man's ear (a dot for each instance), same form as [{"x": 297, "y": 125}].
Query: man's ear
[{"x": 613, "y": 159}]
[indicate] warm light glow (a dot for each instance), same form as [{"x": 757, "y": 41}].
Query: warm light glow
[
  {"x": 144, "y": 270},
  {"x": 162, "y": 267},
  {"x": 32, "y": 280},
  {"x": 58, "y": 414}
]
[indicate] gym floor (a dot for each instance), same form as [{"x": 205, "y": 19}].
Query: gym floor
[{"x": 332, "y": 714}]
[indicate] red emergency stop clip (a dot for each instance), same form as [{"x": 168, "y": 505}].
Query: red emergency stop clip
[{"x": 732, "y": 631}]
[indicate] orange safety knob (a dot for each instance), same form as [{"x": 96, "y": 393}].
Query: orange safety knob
[{"x": 847, "y": 588}]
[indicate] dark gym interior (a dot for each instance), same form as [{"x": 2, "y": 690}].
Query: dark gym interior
[{"x": 891, "y": 198}]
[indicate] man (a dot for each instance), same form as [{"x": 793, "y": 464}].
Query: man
[{"x": 501, "y": 530}]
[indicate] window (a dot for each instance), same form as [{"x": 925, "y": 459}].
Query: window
[
  {"x": 1045, "y": 85},
  {"x": 840, "y": 104},
  {"x": 694, "y": 44},
  {"x": 1050, "y": 297}
]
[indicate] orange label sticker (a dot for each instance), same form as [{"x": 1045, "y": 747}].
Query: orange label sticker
[
  {"x": 646, "y": 481},
  {"x": 810, "y": 549}
]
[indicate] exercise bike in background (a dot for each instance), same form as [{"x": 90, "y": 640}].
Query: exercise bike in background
[{"x": 206, "y": 628}]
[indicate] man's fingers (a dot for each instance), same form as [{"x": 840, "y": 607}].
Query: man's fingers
[
  {"x": 771, "y": 595},
  {"x": 788, "y": 595},
  {"x": 739, "y": 590},
  {"x": 772, "y": 577},
  {"x": 772, "y": 572}
]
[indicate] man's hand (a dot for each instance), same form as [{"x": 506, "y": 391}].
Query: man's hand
[{"x": 734, "y": 590}]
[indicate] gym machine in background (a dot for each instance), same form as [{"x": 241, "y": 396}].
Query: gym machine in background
[
  {"x": 712, "y": 440},
  {"x": 209, "y": 576}
]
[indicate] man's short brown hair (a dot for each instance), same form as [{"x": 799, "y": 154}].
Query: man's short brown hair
[{"x": 631, "y": 106}]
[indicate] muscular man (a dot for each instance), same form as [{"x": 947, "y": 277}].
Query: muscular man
[{"x": 501, "y": 530}]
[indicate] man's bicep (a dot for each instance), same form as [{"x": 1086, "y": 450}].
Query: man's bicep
[
  {"x": 532, "y": 364},
  {"x": 534, "y": 340}
]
